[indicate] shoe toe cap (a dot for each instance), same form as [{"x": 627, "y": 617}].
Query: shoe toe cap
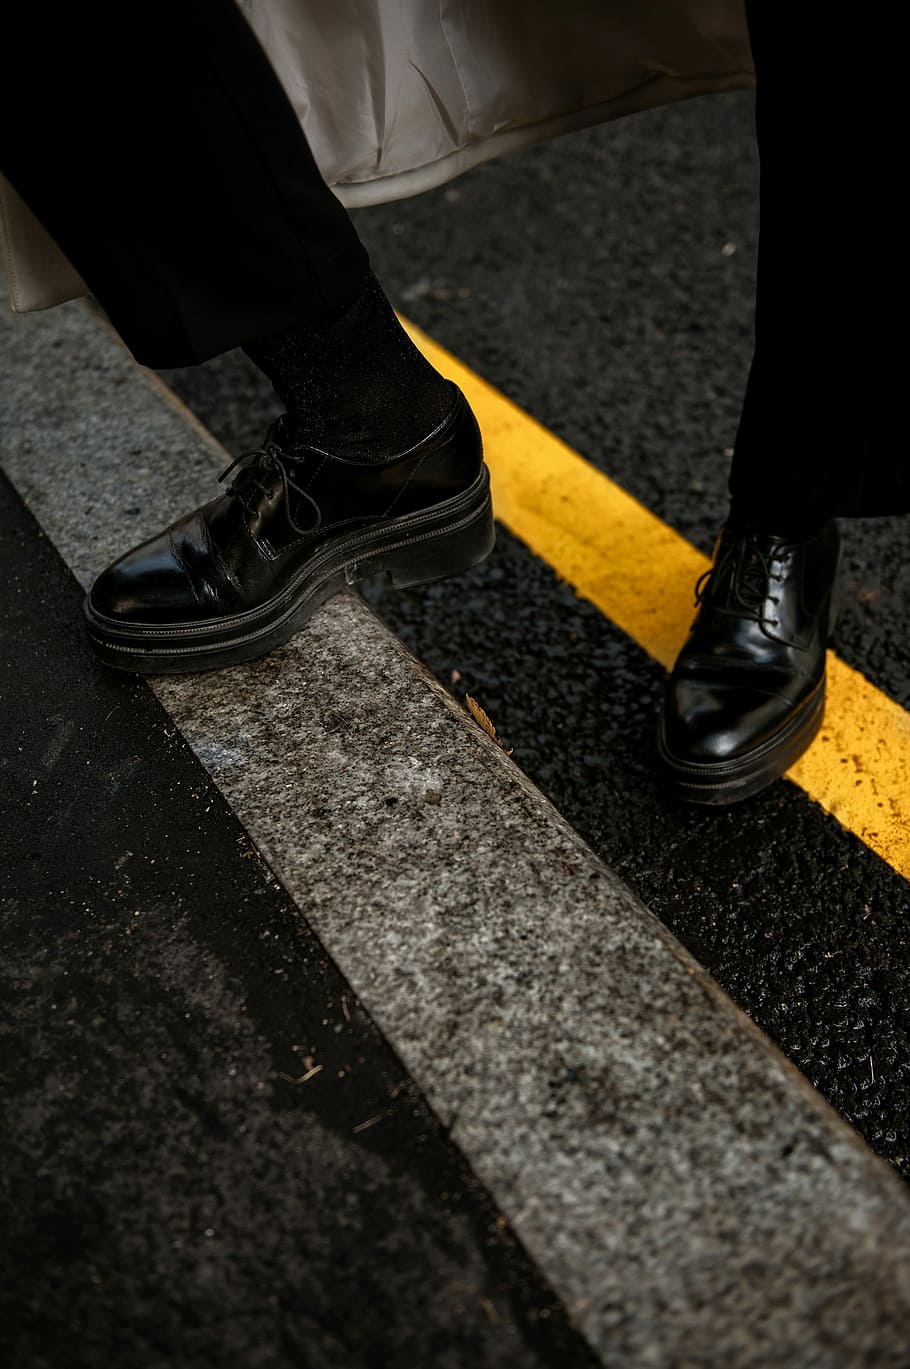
[
  {"x": 147, "y": 585},
  {"x": 713, "y": 723}
]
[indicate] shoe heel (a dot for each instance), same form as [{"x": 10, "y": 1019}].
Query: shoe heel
[
  {"x": 834, "y": 610},
  {"x": 445, "y": 553},
  {"x": 836, "y": 598}
]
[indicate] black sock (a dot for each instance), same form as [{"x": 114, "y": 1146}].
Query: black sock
[{"x": 353, "y": 382}]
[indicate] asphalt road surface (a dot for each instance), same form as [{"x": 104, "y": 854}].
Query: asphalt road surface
[
  {"x": 172, "y": 1193},
  {"x": 604, "y": 283}
]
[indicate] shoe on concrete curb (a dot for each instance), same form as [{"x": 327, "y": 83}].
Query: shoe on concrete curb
[
  {"x": 747, "y": 693},
  {"x": 243, "y": 573}
]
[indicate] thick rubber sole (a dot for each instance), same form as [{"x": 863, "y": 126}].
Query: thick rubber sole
[
  {"x": 445, "y": 539},
  {"x": 738, "y": 779}
]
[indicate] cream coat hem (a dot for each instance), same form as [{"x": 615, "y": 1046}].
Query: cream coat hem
[{"x": 396, "y": 98}]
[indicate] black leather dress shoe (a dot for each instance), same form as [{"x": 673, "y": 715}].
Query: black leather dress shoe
[
  {"x": 243, "y": 573},
  {"x": 747, "y": 693}
]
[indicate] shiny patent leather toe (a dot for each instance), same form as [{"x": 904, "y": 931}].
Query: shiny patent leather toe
[{"x": 152, "y": 583}]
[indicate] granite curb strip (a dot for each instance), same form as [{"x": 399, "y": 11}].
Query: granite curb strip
[{"x": 684, "y": 1190}]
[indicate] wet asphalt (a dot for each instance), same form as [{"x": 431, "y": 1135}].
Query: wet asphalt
[{"x": 604, "y": 283}]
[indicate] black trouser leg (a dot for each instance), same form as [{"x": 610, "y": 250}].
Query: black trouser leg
[
  {"x": 822, "y": 429},
  {"x": 154, "y": 141}
]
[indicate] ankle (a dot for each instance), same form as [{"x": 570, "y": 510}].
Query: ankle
[
  {"x": 353, "y": 382},
  {"x": 787, "y": 525}
]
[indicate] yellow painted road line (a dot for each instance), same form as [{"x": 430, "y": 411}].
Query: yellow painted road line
[{"x": 641, "y": 574}]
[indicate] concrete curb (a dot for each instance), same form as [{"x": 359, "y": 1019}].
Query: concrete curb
[{"x": 685, "y": 1191}]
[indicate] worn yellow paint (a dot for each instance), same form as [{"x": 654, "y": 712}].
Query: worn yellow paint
[{"x": 641, "y": 574}]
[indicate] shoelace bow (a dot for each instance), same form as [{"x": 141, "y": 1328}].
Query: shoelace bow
[
  {"x": 260, "y": 465},
  {"x": 737, "y": 583}
]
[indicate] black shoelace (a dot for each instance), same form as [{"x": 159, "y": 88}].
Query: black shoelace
[
  {"x": 257, "y": 469},
  {"x": 738, "y": 582}
]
